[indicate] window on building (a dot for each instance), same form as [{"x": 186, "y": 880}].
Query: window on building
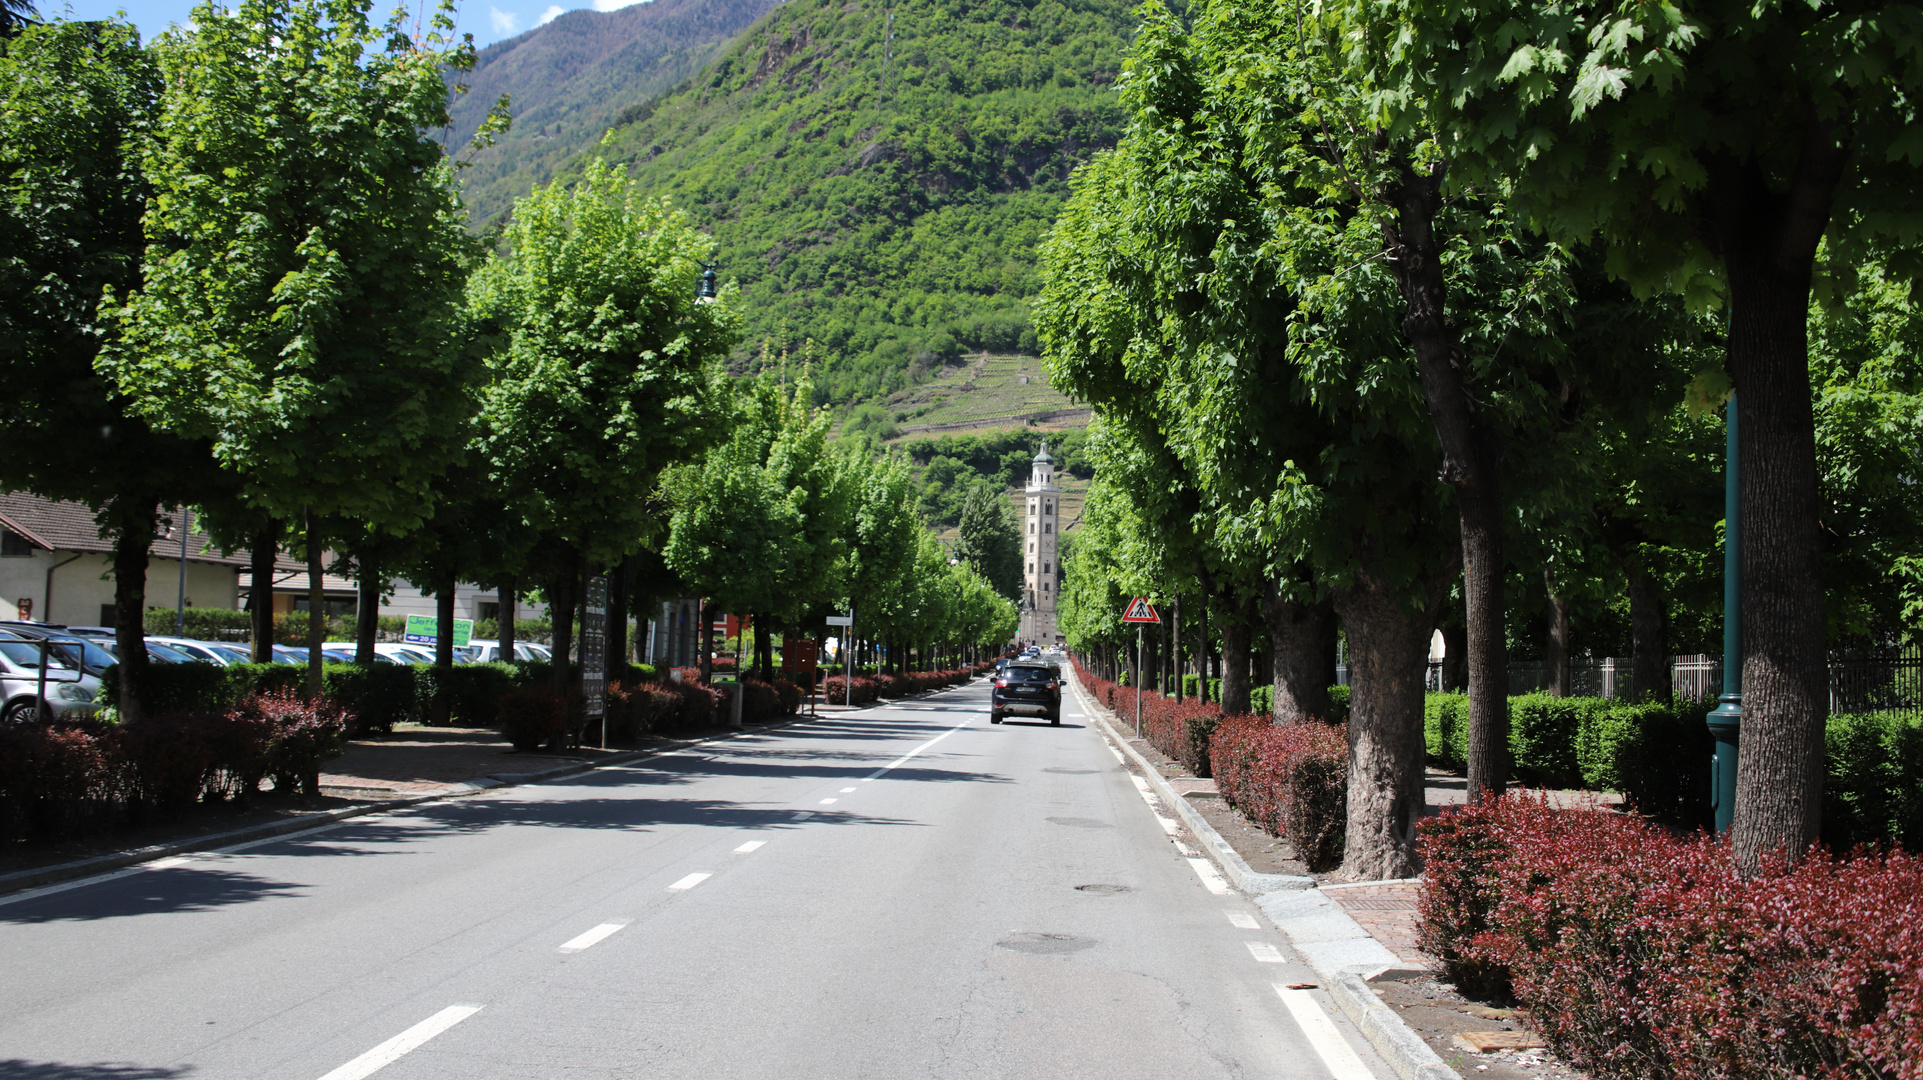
[
  {"x": 1031, "y": 508},
  {"x": 1048, "y": 526},
  {"x": 1050, "y": 508},
  {"x": 1031, "y": 568},
  {"x": 14, "y": 546},
  {"x": 1031, "y": 528},
  {"x": 1044, "y": 586},
  {"x": 1045, "y": 568},
  {"x": 1031, "y": 547},
  {"x": 107, "y": 612}
]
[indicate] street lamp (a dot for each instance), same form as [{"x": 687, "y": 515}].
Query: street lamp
[
  {"x": 1725, "y": 723},
  {"x": 704, "y": 292}
]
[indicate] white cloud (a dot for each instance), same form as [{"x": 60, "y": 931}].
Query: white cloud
[
  {"x": 614, "y": 5},
  {"x": 503, "y": 22},
  {"x": 548, "y": 15}
]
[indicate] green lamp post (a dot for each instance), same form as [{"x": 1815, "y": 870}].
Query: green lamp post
[{"x": 1726, "y": 721}]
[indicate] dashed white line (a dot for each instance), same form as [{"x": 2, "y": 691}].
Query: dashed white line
[
  {"x": 395, "y": 1048},
  {"x": 1328, "y": 1042},
  {"x": 594, "y": 936},
  {"x": 1264, "y": 952},
  {"x": 846, "y": 790},
  {"x": 690, "y": 881},
  {"x": 829, "y": 802},
  {"x": 752, "y": 845},
  {"x": 1206, "y": 871},
  {"x": 1242, "y": 920},
  {"x": 902, "y": 760},
  {"x": 802, "y": 815}
]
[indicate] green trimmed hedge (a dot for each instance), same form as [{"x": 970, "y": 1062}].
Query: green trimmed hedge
[{"x": 1874, "y": 791}]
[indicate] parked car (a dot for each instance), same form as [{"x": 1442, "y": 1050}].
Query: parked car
[
  {"x": 80, "y": 652},
  {"x": 71, "y": 693},
  {"x": 156, "y": 652},
  {"x": 202, "y": 651},
  {"x": 488, "y": 652},
  {"x": 1034, "y": 688},
  {"x": 385, "y": 652}
]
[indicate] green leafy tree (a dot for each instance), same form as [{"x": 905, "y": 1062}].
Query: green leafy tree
[
  {"x": 603, "y": 369},
  {"x": 80, "y": 98},
  {"x": 991, "y": 540},
  {"x": 302, "y": 283},
  {"x": 1713, "y": 147}
]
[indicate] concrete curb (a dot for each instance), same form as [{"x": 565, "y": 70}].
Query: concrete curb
[
  {"x": 1334, "y": 945},
  {"x": 51, "y": 875}
]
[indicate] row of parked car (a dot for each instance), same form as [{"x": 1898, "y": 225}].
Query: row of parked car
[{"x": 71, "y": 659}]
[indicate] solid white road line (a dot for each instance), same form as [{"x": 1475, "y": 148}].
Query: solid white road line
[
  {"x": 1264, "y": 952},
  {"x": 753, "y": 844},
  {"x": 1141, "y": 785},
  {"x": 1205, "y": 870},
  {"x": 1119, "y": 759},
  {"x": 395, "y": 1048},
  {"x": 1169, "y": 825},
  {"x": 690, "y": 881},
  {"x": 594, "y": 936},
  {"x": 1242, "y": 920},
  {"x": 1328, "y": 1042}
]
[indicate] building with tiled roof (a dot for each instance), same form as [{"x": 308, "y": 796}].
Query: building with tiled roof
[{"x": 56, "y": 567}]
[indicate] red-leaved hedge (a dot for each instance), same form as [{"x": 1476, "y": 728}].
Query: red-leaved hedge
[
  {"x": 1643, "y": 955},
  {"x": 1181, "y": 729},
  {"x": 1291, "y": 779}
]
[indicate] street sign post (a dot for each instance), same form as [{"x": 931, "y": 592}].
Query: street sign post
[
  {"x": 847, "y": 643},
  {"x": 594, "y": 652},
  {"x": 1140, "y": 612},
  {"x": 802, "y": 656}
]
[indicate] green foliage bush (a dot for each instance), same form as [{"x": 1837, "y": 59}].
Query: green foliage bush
[
  {"x": 1542, "y": 739},
  {"x": 1338, "y": 705},
  {"x": 203, "y": 624},
  {"x": 1445, "y": 729},
  {"x": 377, "y": 695},
  {"x": 175, "y": 688},
  {"x": 1874, "y": 791},
  {"x": 1656, "y": 754},
  {"x": 474, "y": 690}
]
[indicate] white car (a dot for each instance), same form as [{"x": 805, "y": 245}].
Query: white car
[
  {"x": 205, "y": 652},
  {"x": 488, "y": 652},
  {"x": 71, "y": 693},
  {"x": 388, "y": 652}
]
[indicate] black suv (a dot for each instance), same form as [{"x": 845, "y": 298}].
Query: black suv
[{"x": 1026, "y": 685}]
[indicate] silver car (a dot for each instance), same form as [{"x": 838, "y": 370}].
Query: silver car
[{"x": 71, "y": 693}]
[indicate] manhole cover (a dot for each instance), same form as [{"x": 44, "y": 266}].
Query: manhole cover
[
  {"x": 1077, "y": 772},
  {"x": 1046, "y": 944},
  {"x": 1080, "y": 823},
  {"x": 1102, "y": 889}
]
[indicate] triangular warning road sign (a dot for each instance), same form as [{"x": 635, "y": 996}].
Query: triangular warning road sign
[{"x": 1140, "y": 611}]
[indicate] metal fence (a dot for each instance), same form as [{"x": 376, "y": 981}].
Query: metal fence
[{"x": 1889, "y": 680}]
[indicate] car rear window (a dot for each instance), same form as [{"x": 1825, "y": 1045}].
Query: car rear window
[{"x": 1028, "y": 674}]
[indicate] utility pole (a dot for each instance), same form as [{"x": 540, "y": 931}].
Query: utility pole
[{"x": 1726, "y": 722}]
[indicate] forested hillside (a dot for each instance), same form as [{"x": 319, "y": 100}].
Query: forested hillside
[
  {"x": 878, "y": 178},
  {"x": 572, "y": 79}
]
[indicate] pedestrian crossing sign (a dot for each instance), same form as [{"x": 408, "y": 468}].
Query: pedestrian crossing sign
[{"x": 1141, "y": 611}]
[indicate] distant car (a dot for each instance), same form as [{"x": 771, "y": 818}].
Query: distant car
[
  {"x": 193, "y": 650},
  {"x": 1033, "y": 688},
  {"x": 385, "y": 652},
  {"x": 71, "y": 693},
  {"x": 80, "y": 652}
]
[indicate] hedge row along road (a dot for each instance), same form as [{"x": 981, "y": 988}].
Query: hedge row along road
[{"x": 890, "y": 893}]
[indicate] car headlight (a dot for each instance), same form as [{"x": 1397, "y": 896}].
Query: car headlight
[{"x": 73, "y": 692}]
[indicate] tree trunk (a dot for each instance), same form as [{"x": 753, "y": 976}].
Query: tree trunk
[
  {"x": 1175, "y": 647},
  {"x": 618, "y": 589},
  {"x": 133, "y": 526},
  {"x": 705, "y": 635},
  {"x": 1235, "y": 663},
  {"x": 266, "y": 545},
  {"x": 316, "y": 608},
  {"x": 1556, "y": 652},
  {"x": 1649, "y": 643},
  {"x": 1455, "y": 657},
  {"x": 561, "y": 601},
  {"x": 764, "y": 649},
  {"x": 1202, "y": 652},
  {"x": 1779, "y": 777},
  {"x": 367, "y": 611},
  {"x": 504, "y": 622},
  {"x": 1471, "y": 463},
  {"x": 1387, "y": 645},
  {"x": 1298, "y": 638}
]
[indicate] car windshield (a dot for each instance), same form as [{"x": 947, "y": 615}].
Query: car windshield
[
  {"x": 1028, "y": 674},
  {"x": 25, "y": 654},
  {"x": 86, "y": 653}
]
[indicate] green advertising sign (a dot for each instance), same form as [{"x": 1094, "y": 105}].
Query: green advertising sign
[{"x": 425, "y": 630}]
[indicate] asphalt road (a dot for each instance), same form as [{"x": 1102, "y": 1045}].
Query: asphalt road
[{"x": 897, "y": 893}]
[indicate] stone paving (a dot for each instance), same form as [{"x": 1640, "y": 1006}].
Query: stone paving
[{"x": 1387, "y": 910}]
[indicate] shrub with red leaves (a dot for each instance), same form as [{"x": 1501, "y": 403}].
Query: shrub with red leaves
[
  {"x": 531, "y": 717},
  {"x": 1180, "y": 729},
  {"x": 835, "y": 689},
  {"x": 1640, "y": 954},
  {"x": 1290, "y": 779}
]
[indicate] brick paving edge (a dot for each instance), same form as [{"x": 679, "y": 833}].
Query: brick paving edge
[
  {"x": 82, "y": 868},
  {"x": 1313, "y": 923}
]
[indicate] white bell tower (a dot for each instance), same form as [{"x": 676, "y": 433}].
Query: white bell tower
[{"x": 1041, "y": 569}]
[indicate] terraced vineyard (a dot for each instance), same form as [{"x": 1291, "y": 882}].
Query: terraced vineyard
[{"x": 985, "y": 391}]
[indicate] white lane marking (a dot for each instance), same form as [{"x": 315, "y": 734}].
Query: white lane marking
[
  {"x": 846, "y": 790},
  {"x": 803, "y": 815},
  {"x": 1187, "y": 851},
  {"x": 1169, "y": 825},
  {"x": 1206, "y": 871},
  {"x": 395, "y": 1048},
  {"x": 594, "y": 936},
  {"x": 1242, "y": 920},
  {"x": 902, "y": 760},
  {"x": 1119, "y": 759},
  {"x": 1141, "y": 785},
  {"x": 690, "y": 881},
  {"x": 1328, "y": 1042},
  {"x": 749, "y": 846},
  {"x": 1264, "y": 952},
  {"x": 829, "y": 802}
]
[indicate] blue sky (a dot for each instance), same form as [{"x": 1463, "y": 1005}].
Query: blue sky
[{"x": 488, "y": 20}]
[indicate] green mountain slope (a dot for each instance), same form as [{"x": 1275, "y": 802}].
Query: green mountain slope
[
  {"x": 878, "y": 177},
  {"x": 571, "y": 80}
]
